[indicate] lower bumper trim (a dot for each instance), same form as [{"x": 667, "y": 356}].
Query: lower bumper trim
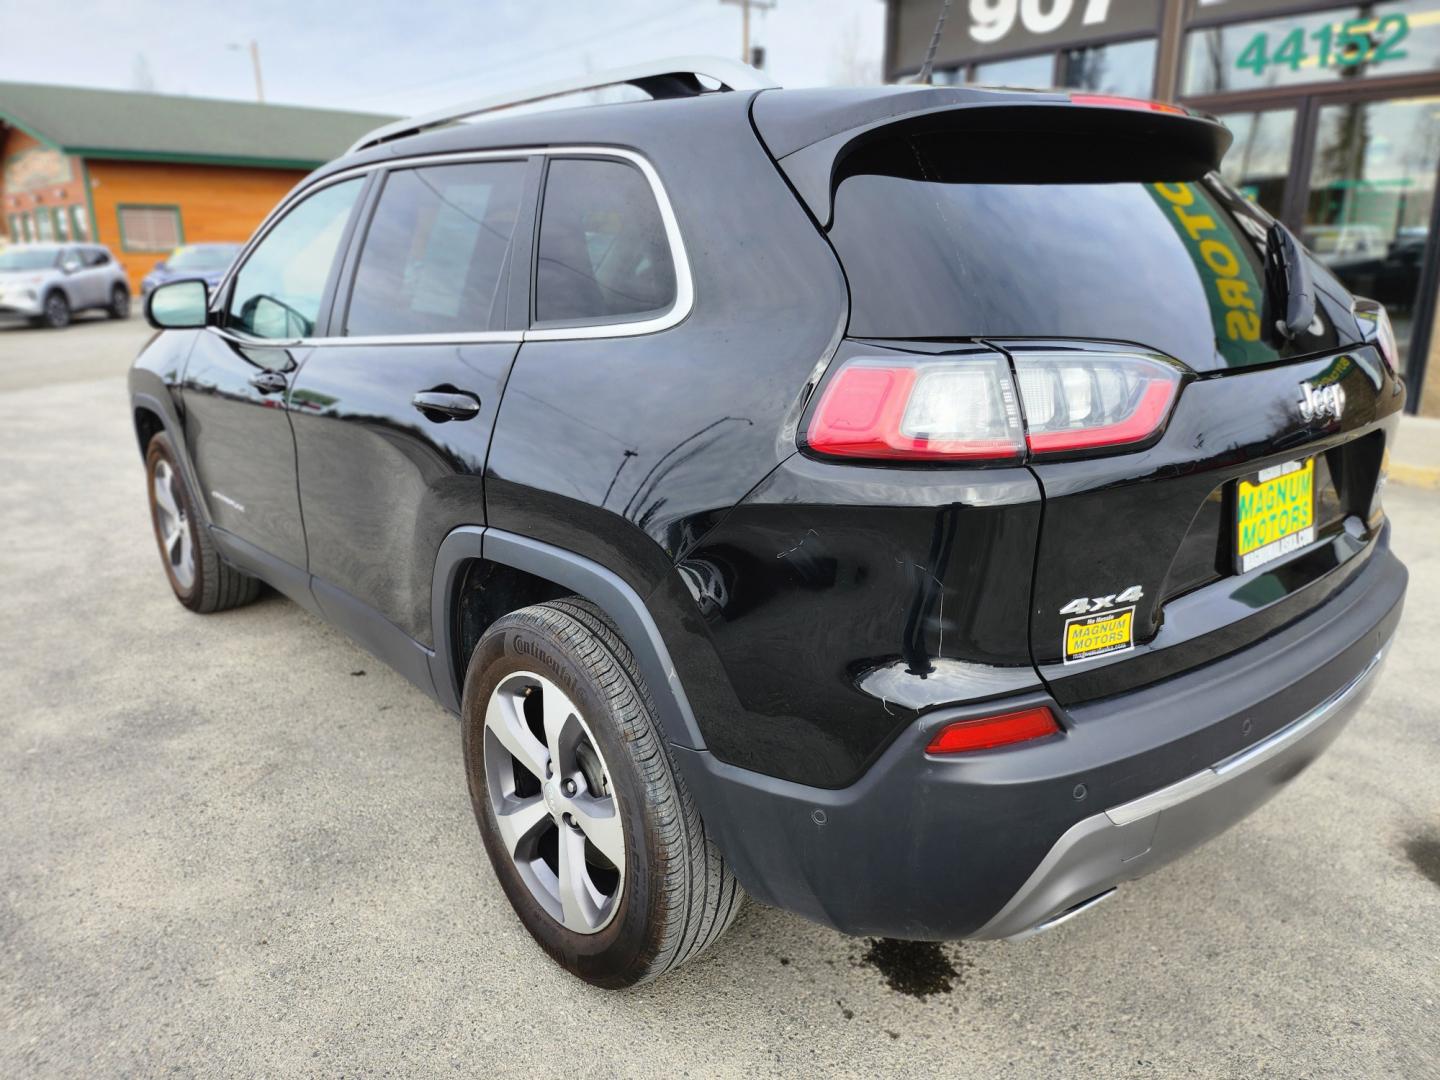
[
  {"x": 1137, "y": 837},
  {"x": 1197, "y": 784}
]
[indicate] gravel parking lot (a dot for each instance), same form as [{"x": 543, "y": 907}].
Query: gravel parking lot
[{"x": 238, "y": 845}]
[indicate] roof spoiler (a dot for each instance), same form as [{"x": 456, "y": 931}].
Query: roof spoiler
[
  {"x": 675, "y": 77},
  {"x": 1000, "y": 136}
]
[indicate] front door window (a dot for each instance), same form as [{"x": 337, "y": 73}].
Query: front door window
[{"x": 278, "y": 291}]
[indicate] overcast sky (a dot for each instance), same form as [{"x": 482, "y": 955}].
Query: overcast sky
[{"x": 405, "y": 57}]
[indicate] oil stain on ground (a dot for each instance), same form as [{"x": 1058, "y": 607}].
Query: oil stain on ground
[
  {"x": 917, "y": 968},
  {"x": 1424, "y": 852}
]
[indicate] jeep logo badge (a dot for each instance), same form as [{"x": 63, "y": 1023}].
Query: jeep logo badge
[{"x": 1320, "y": 403}]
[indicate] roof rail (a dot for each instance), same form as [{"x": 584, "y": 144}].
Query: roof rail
[{"x": 675, "y": 77}]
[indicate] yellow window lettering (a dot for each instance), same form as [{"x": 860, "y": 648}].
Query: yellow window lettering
[
  {"x": 1180, "y": 194},
  {"x": 1195, "y": 224},
  {"x": 1244, "y": 325},
  {"x": 1235, "y": 292},
  {"x": 1219, "y": 258}
]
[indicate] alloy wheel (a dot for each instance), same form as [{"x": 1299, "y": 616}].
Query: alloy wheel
[
  {"x": 57, "y": 311},
  {"x": 173, "y": 524},
  {"x": 554, "y": 805}
]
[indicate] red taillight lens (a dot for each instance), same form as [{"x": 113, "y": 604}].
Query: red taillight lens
[
  {"x": 967, "y": 409},
  {"x": 961, "y": 409},
  {"x": 988, "y": 732},
  {"x": 1111, "y": 101},
  {"x": 1088, "y": 401}
]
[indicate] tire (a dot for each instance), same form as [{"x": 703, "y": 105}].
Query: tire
[
  {"x": 119, "y": 303},
  {"x": 674, "y": 896},
  {"x": 203, "y": 582},
  {"x": 56, "y": 311}
]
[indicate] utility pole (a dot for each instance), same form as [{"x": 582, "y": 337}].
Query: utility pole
[
  {"x": 746, "y": 56},
  {"x": 254, "y": 65}
]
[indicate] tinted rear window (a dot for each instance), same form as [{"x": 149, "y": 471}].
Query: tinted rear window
[{"x": 1175, "y": 265}]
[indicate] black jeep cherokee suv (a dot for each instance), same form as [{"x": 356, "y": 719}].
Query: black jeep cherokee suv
[{"x": 918, "y": 508}]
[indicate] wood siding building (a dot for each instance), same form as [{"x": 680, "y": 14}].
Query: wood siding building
[{"x": 145, "y": 173}]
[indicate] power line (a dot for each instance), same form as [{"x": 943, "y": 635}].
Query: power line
[{"x": 746, "y": 56}]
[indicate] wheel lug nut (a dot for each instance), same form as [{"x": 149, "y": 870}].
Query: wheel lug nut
[{"x": 568, "y": 787}]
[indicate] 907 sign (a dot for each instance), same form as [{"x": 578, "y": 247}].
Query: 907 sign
[{"x": 991, "y": 20}]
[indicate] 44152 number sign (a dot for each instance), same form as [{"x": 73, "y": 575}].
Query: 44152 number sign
[{"x": 1358, "y": 41}]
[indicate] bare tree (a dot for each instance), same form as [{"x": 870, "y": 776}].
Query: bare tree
[
  {"x": 855, "y": 61},
  {"x": 141, "y": 77}
]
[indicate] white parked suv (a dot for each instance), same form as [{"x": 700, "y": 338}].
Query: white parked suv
[{"x": 48, "y": 283}]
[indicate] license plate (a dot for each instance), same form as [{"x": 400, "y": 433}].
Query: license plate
[{"x": 1274, "y": 513}]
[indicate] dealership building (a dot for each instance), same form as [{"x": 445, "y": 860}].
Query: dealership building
[
  {"x": 146, "y": 173},
  {"x": 1335, "y": 111}
]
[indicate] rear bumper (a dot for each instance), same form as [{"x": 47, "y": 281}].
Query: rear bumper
[
  {"x": 997, "y": 844},
  {"x": 1134, "y": 838}
]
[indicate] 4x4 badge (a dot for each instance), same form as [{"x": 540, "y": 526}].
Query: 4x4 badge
[
  {"x": 1319, "y": 402},
  {"x": 1088, "y": 605}
]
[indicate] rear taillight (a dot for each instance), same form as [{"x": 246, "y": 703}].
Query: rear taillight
[
  {"x": 1084, "y": 401},
  {"x": 961, "y": 409},
  {"x": 989, "y": 732},
  {"x": 968, "y": 408}
]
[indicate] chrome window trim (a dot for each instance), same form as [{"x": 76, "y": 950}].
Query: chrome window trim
[{"x": 676, "y": 313}]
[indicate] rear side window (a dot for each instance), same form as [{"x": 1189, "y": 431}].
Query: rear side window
[
  {"x": 278, "y": 291},
  {"x": 603, "y": 252},
  {"x": 437, "y": 249}
]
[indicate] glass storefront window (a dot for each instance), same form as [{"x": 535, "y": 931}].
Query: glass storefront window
[
  {"x": 1258, "y": 161},
  {"x": 1127, "y": 68},
  {"x": 1025, "y": 71},
  {"x": 1372, "y": 185},
  {"x": 1347, "y": 43}
]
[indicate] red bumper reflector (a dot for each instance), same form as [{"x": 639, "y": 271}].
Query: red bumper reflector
[{"x": 988, "y": 732}]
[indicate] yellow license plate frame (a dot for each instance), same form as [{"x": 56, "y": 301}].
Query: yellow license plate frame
[{"x": 1274, "y": 513}]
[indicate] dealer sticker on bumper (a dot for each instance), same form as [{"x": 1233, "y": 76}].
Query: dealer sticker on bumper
[
  {"x": 1274, "y": 513},
  {"x": 1099, "y": 635}
]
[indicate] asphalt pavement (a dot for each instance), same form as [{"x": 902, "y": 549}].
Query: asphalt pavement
[{"x": 238, "y": 845}]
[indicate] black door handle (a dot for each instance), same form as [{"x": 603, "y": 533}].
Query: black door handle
[
  {"x": 269, "y": 382},
  {"x": 443, "y": 405}
]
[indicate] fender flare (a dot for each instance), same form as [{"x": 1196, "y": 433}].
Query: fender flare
[
  {"x": 172, "y": 425},
  {"x": 583, "y": 576}
]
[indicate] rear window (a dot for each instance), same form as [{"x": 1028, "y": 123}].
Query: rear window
[{"x": 1171, "y": 264}]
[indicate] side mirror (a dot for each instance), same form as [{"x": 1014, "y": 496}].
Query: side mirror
[
  {"x": 178, "y": 305},
  {"x": 69, "y": 266}
]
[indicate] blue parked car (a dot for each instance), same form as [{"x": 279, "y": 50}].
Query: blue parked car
[{"x": 208, "y": 261}]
